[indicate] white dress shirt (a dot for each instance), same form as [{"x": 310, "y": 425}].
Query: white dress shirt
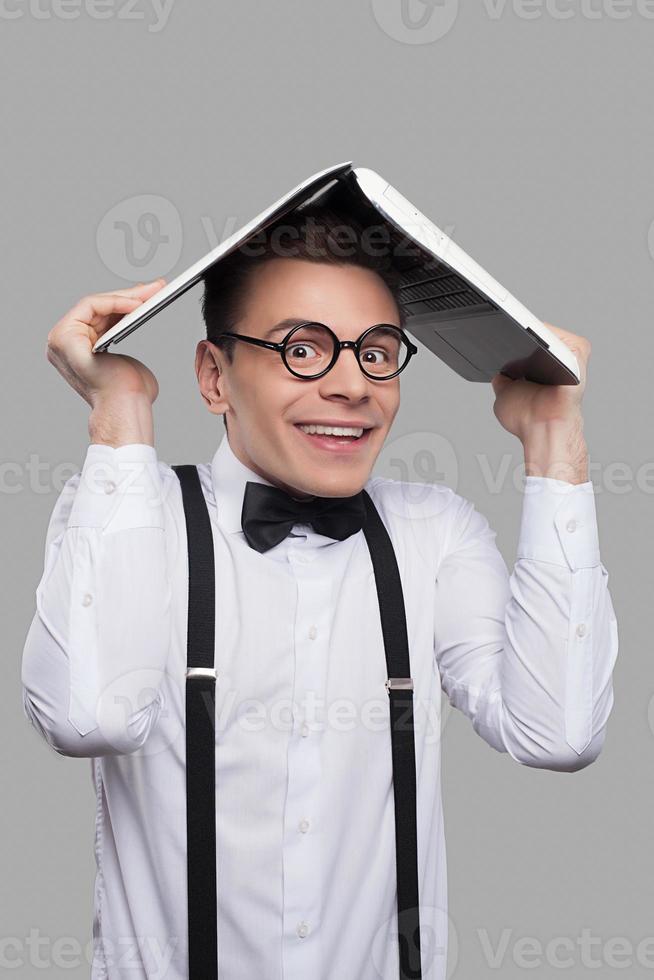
[{"x": 304, "y": 801}]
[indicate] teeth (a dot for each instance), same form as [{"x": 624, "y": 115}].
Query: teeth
[{"x": 331, "y": 430}]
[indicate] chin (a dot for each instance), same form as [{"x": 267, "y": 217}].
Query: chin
[{"x": 345, "y": 485}]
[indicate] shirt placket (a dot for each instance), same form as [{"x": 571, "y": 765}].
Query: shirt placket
[{"x": 302, "y": 885}]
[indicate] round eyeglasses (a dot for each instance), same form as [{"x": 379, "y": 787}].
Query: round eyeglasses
[{"x": 310, "y": 350}]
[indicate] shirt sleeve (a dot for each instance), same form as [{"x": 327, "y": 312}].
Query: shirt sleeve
[
  {"x": 528, "y": 656},
  {"x": 97, "y": 647}
]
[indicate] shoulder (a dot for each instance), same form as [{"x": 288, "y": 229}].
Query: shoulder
[
  {"x": 410, "y": 500},
  {"x": 431, "y": 515},
  {"x": 170, "y": 478}
]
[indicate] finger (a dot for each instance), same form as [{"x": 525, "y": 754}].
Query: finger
[
  {"x": 563, "y": 334},
  {"x": 138, "y": 289},
  {"x": 500, "y": 381},
  {"x": 113, "y": 318},
  {"x": 577, "y": 344},
  {"x": 94, "y": 310},
  {"x": 557, "y": 330}
]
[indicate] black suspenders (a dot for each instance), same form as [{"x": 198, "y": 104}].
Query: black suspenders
[
  {"x": 201, "y": 738},
  {"x": 400, "y": 691},
  {"x": 200, "y": 733}
]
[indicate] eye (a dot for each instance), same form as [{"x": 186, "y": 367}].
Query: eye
[
  {"x": 301, "y": 347},
  {"x": 383, "y": 355}
]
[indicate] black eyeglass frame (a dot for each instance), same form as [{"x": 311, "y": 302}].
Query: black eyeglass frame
[{"x": 339, "y": 345}]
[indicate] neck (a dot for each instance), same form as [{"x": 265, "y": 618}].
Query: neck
[{"x": 242, "y": 456}]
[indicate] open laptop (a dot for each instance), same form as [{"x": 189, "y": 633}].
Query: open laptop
[{"x": 451, "y": 304}]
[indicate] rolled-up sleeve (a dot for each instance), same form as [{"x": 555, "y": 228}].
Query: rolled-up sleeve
[
  {"x": 529, "y": 656},
  {"x": 97, "y": 647}
]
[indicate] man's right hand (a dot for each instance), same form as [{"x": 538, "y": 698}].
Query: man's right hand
[{"x": 119, "y": 389}]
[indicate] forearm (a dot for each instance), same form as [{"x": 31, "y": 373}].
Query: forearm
[
  {"x": 95, "y": 656},
  {"x": 557, "y": 450},
  {"x": 528, "y": 656},
  {"x": 555, "y": 680},
  {"x": 125, "y": 419},
  {"x": 560, "y": 626}
]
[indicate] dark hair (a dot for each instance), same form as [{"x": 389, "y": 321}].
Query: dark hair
[{"x": 317, "y": 234}]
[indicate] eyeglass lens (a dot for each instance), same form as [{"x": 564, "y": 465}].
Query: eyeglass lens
[{"x": 310, "y": 350}]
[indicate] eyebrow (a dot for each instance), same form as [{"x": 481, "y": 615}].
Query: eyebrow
[{"x": 285, "y": 326}]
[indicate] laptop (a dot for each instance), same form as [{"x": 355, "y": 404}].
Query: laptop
[{"x": 451, "y": 304}]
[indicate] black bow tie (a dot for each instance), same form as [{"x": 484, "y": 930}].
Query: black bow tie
[{"x": 269, "y": 513}]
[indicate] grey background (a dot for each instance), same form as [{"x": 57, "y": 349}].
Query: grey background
[{"x": 525, "y": 133}]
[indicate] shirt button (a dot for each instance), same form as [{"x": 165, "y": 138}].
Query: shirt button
[
  {"x": 302, "y": 559},
  {"x": 304, "y": 731},
  {"x": 303, "y": 826},
  {"x": 109, "y": 486},
  {"x": 302, "y": 929},
  {"x": 581, "y": 629},
  {"x": 571, "y": 525},
  {"x": 87, "y": 599},
  {"x": 313, "y": 633}
]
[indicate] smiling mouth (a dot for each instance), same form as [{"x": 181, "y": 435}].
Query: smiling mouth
[{"x": 336, "y": 442}]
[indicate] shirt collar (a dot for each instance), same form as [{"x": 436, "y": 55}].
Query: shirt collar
[{"x": 229, "y": 476}]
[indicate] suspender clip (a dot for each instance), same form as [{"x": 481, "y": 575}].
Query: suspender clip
[
  {"x": 399, "y": 684},
  {"x": 201, "y": 672}
]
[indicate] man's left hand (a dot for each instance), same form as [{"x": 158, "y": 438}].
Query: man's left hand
[{"x": 547, "y": 418}]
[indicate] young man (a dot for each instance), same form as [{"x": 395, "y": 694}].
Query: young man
[{"x": 306, "y": 849}]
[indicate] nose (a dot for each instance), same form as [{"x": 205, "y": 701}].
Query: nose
[{"x": 346, "y": 376}]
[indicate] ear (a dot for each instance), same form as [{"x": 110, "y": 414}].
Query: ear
[{"x": 210, "y": 372}]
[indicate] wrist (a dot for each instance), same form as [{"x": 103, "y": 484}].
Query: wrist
[
  {"x": 120, "y": 420},
  {"x": 557, "y": 450}
]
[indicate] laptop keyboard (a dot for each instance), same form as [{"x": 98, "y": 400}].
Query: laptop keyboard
[
  {"x": 424, "y": 289},
  {"x": 427, "y": 285}
]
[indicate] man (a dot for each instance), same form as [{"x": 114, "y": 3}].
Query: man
[{"x": 304, "y": 804}]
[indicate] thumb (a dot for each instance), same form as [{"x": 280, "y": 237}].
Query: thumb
[{"x": 500, "y": 382}]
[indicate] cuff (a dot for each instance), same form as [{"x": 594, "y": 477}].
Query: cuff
[
  {"x": 119, "y": 488},
  {"x": 559, "y": 523}
]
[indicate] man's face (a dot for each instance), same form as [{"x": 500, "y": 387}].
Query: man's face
[{"x": 264, "y": 402}]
